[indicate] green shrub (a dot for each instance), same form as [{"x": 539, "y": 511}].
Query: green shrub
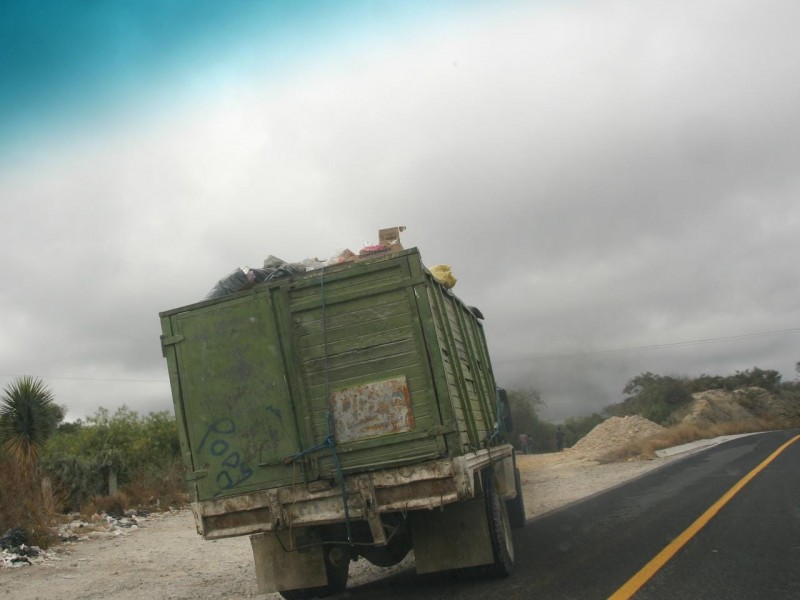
[
  {"x": 131, "y": 446},
  {"x": 654, "y": 397}
]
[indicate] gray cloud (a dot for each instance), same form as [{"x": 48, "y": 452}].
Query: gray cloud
[{"x": 600, "y": 176}]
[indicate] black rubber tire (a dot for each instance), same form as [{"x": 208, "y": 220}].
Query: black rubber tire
[
  {"x": 499, "y": 530},
  {"x": 516, "y": 506},
  {"x": 389, "y": 555},
  {"x": 337, "y": 577}
]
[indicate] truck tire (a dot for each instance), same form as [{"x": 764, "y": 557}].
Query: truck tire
[
  {"x": 337, "y": 567},
  {"x": 389, "y": 555},
  {"x": 499, "y": 530},
  {"x": 516, "y": 506}
]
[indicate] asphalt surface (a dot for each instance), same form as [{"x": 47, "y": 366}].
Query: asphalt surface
[
  {"x": 751, "y": 549},
  {"x": 587, "y": 550}
]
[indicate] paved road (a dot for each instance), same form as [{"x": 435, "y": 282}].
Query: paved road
[{"x": 749, "y": 549}]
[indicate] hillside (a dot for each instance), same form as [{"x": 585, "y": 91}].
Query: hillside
[
  {"x": 716, "y": 407},
  {"x": 709, "y": 414}
]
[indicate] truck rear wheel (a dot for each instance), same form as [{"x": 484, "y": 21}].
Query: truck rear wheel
[
  {"x": 337, "y": 567},
  {"x": 516, "y": 506},
  {"x": 499, "y": 530}
]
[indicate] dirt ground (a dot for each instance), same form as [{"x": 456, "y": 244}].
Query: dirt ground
[{"x": 164, "y": 559}]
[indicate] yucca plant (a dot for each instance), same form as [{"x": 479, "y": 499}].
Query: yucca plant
[{"x": 28, "y": 415}]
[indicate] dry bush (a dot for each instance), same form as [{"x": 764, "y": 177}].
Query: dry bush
[
  {"x": 684, "y": 433},
  {"x": 158, "y": 492},
  {"x": 114, "y": 505},
  {"x": 144, "y": 491},
  {"x": 23, "y": 504}
]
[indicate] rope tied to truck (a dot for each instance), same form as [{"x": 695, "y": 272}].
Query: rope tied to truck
[
  {"x": 499, "y": 433},
  {"x": 330, "y": 439}
]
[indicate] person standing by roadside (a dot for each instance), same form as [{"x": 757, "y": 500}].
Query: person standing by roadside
[
  {"x": 523, "y": 443},
  {"x": 559, "y": 439}
]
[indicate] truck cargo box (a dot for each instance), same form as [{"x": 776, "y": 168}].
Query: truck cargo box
[{"x": 342, "y": 393}]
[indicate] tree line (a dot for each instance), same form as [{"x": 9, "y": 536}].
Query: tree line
[
  {"x": 654, "y": 397},
  {"x": 658, "y": 397}
]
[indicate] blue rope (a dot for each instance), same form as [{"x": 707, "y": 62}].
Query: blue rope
[
  {"x": 330, "y": 440},
  {"x": 499, "y": 429}
]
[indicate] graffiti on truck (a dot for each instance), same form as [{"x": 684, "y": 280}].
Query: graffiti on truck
[{"x": 232, "y": 469}]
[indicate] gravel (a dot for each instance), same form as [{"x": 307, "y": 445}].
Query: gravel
[{"x": 614, "y": 433}]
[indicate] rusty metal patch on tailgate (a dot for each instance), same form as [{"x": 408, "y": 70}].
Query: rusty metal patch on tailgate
[{"x": 372, "y": 409}]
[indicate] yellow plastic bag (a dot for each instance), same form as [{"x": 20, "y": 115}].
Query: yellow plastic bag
[{"x": 443, "y": 275}]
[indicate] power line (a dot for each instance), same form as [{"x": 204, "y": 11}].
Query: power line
[
  {"x": 100, "y": 379},
  {"x": 658, "y": 346}
]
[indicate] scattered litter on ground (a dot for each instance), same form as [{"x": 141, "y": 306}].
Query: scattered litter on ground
[
  {"x": 14, "y": 551},
  {"x": 21, "y": 556}
]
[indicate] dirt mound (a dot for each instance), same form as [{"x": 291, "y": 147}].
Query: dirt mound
[
  {"x": 612, "y": 434},
  {"x": 781, "y": 407},
  {"x": 716, "y": 406},
  {"x": 724, "y": 406}
]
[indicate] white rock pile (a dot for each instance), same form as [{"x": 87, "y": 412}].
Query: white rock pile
[{"x": 612, "y": 434}]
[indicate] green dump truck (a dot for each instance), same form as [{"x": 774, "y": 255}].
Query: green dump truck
[{"x": 347, "y": 412}]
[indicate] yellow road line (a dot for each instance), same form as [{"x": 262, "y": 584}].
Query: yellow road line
[{"x": 660, "y": 559}]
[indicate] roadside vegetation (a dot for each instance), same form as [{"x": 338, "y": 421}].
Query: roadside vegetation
[
  {"x": 659, "y": 398},
  {"x": 684, "y": 433},
  {"x": 28, "y": 416},
  {"x": 114, "y": 462},
  {"x": 768, "y": 403},
  {"x": 762, "y": 402},
  {"x": 109, "y": 462}
]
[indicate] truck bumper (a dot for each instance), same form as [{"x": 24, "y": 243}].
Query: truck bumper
[{"x": 427, "y": 485}]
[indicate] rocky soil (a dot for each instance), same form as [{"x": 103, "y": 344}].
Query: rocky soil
[
  {"x": 160, "y": 557},
  {"x": 723, "y": 406}
]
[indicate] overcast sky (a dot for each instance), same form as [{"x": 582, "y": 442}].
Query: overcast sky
[{"x": 615, "y": 184}]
